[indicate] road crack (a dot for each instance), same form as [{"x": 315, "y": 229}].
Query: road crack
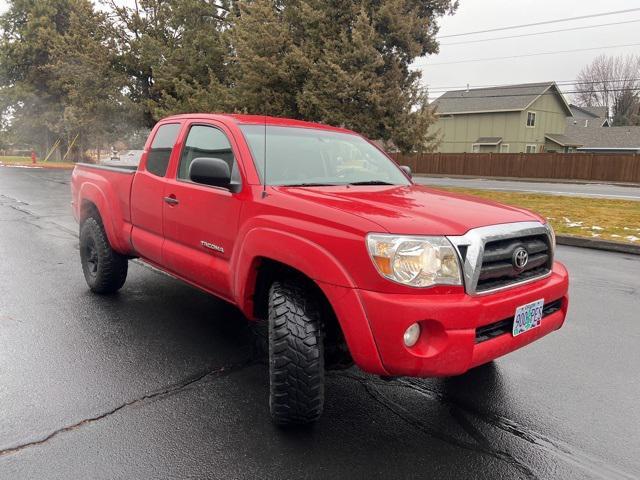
[
  {"x": 166, "y": 392},
  {"x": 482, "y": 447},
  {"x": 568, "y": 453},
  {"x": 34, "y": 218}
]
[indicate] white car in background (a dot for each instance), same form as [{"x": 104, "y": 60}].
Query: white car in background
[{"x": 124, "y": 158}]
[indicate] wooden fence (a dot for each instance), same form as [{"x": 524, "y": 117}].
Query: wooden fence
[{"x": 560, "y": 166}]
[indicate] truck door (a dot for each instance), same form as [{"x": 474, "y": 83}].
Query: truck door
[
  {"x": 147, "y": 194},
  {"x": 201, "y": 223}
]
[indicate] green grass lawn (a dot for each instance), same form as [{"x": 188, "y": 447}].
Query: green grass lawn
[
  {"x": 617, "y": 220},
  {"x": 15, "y": 159}
]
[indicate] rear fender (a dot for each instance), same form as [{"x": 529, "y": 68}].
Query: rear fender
[{"x": 117, "y": 229}]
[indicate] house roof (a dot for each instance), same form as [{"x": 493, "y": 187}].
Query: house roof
[
  {"x": 562, "y": 140},
  {"x": 588, "y": 116},
  {"x": 588, "y": 122},
  {"x": 488, "y": 141},
  {"x": 611, "y": 138},
  {"x": 593, "y": 112},
  {"x": 510, "y": 98}
]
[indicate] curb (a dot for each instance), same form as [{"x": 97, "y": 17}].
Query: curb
[
  {"x": 607, "y": 245},
  {"x": 38, "y": 166}
]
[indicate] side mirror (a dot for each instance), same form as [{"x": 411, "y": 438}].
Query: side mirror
[
  {"x": 407, "y": 170},
  {"x": 210, "y": 171}
]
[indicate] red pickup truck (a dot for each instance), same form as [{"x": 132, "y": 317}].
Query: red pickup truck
[{"x": 327, "y": 245}]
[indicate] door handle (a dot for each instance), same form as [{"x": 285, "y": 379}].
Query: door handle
[{"x": 171, "y": 200}]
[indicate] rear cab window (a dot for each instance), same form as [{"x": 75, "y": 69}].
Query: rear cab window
[{"x": 161, "y": 147}]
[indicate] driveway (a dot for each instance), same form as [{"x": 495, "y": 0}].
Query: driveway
[{"x": 159, "y": 382}]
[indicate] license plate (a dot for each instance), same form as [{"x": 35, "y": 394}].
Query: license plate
[{"x": 527, "y": 317}]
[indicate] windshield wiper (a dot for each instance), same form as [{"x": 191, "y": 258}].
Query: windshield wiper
[
  {"x": 310, "y": 184},
  {"x": 371, "y": 182}
]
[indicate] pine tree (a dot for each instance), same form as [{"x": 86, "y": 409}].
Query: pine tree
[
  {"x": 174, "y": 53},
  {"x": 269, "y": 68},
  {"x": 57, "y": 76},
  {"x": 341, "y": 62}
]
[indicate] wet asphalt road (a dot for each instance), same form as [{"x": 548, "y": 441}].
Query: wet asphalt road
[
  {"x": 591, "y": 190},
  {"x": 157, "y": 381}
]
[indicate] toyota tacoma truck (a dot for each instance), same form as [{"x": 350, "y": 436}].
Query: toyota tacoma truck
[{"x": 327, "y": 246}]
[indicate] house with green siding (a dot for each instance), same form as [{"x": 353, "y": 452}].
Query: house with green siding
[{"x": 529, "y": 118}]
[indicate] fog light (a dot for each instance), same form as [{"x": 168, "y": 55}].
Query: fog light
[{"x": 411, "y": 335}]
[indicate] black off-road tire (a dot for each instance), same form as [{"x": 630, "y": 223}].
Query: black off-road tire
[
  {"x": 296, "y": 356},
  {"x": 105, "y": 270}
]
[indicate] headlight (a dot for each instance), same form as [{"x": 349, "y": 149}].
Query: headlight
[{"x": 415, "y": 261}]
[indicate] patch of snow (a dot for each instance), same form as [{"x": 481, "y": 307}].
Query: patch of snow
[
  {"x": 632, "y": 238},
  {"x": 613, "y": 235},
  {"x": 595, "y": 234},
  {"x": 595, "y": 227}
]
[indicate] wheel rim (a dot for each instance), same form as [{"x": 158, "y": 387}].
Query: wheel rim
[{"x": 91, "y": 256}]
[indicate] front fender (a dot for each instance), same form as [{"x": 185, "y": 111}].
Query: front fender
[
  {"x": 322, "y": 267},
  {"x": 297, "y": 252}
]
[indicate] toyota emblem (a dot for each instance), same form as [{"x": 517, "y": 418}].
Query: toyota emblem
[{"x": 520, "y": 258}]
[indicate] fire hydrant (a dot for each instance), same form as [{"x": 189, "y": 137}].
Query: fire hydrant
[{"x": 33, "y": 157}]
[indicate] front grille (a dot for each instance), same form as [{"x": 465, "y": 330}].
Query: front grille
[
  {"x": 498, "y": 270},
  {"x": 493, "y": 330}
]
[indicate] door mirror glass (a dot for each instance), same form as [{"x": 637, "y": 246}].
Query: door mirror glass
[
  {"x": 210, "y": 171},
  {"x": 407, "y": 170}
]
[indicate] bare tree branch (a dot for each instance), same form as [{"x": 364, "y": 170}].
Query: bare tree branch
[{"x": 612, "y": 82}]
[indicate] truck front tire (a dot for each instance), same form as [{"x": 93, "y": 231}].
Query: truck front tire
[
  {"x": 296, "y": 356},
  {"x": 105, "y": 270}
]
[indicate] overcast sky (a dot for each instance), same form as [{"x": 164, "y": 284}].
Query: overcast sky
[{"x": 476, "y": 15}]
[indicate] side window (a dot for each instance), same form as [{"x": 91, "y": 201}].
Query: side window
[
  {"x": 160, "y": 151},
  {"x": 206, "y": 142}
]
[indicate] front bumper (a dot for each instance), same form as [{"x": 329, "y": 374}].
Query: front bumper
[{"x": 447, "y": 345}]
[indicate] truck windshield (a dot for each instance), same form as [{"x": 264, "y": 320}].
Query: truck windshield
[{"x": 309, "y": 157}]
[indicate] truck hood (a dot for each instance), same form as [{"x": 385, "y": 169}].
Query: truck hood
[{"x": 414, "y": 209}]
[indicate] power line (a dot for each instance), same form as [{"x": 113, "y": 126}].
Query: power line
[
  {"x": 533, "y": 54},
  {"x": 547, "y": 22},
  {"x": 539, "y": 33},
  {"x": 559, "y": 83}
]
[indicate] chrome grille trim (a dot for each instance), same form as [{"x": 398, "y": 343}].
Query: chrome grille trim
[{"x": 473, "y": 242}]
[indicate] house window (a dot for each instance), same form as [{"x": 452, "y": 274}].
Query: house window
[
  {"x": 531, "y": 119},
  {"x": 530, "y": 149},
  {"x": 504, "y": 148},
  {"x": 476, "y": 149}
]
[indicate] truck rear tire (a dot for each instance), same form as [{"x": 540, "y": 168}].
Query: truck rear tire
[
  {"x": 296, "y": 356},
  {"x": 105, "y": 270}
]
